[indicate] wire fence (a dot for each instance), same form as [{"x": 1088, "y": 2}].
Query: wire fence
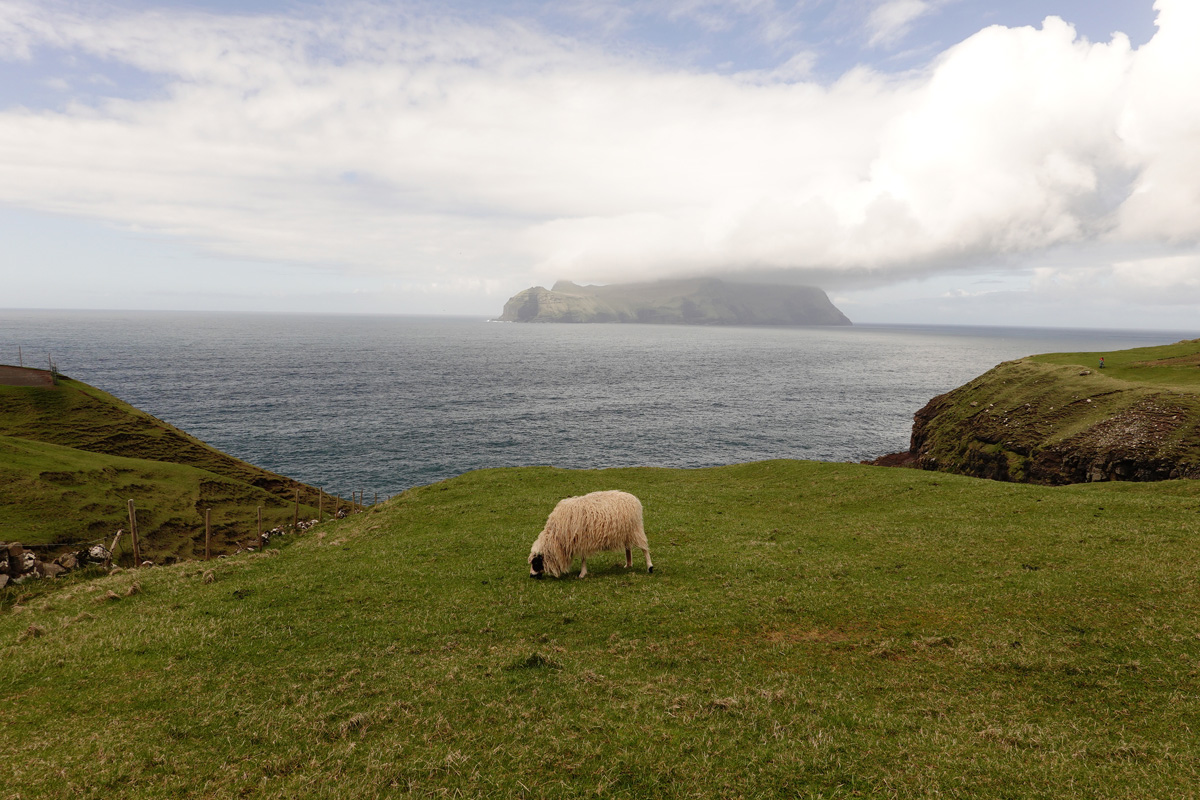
[
  {"x": 51, "y": 366},
  {"x": 126, "y": 545}
]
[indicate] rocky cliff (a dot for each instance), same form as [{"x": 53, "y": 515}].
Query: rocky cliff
[
  {"x": 703, "y": 301},
  {"x": 1060, "y": 418}
]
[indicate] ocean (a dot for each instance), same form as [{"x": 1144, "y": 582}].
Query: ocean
[{"x": 383, "y": 403}]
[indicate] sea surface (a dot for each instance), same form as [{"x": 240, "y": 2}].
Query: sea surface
[{"x": 383, "y": 403}]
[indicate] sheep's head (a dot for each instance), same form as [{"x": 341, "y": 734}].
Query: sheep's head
[{"x": 537, "y": 564}]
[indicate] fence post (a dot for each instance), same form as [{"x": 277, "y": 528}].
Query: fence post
[
  {"x": 296, "y": 513},
  {"x": 320, "y": 504},
  {"x": 133, "y": 533},
  {"x": 337, "y": 504},
  {"x": 207, "y": 534}
]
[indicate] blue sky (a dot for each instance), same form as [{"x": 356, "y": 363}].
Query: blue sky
[{"x": 922, "y": 160}]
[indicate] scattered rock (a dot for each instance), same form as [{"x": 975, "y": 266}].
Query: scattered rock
[{"x": 17, "y": 564}]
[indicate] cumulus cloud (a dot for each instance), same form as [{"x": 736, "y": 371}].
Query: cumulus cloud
[
  {"x": 424, "y": 146},
  {"x": 1159, "y": 123}
]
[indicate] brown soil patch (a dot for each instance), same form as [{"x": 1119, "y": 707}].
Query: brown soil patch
[
  {"x": 24, "y": 376},
  {"x": 796, "y": 634},
  {"x": 905, "y": 459},
  {"x": 1182, "y": 361}
]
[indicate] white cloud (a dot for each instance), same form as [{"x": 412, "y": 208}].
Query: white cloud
[
  {"x": 418, "y": 146},
  {"x": 1160, "y": 127},
  {"x": 889, "y": 22},
  {"x": 1168, "y": 280},
  {"x": 1009, "y": 146},
  {"x": 1157, "y": 281}
]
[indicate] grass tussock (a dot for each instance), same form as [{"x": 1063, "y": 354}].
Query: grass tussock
[{"x": 809, "y": 630}]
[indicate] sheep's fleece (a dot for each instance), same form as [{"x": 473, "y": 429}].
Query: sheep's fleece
[{"x": 581, "y": 526}]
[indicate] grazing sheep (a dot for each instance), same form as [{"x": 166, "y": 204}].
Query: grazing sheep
[{"x": 580, "y": 526}]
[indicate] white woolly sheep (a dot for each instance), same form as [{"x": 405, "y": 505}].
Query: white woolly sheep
[{"x": 581, "y": 526}]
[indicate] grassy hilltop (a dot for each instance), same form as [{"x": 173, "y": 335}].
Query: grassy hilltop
[
  {"x": 814, "y": 630},
  {"x": 1059, "y": 418},
  {"x": 71, "y": 456}
]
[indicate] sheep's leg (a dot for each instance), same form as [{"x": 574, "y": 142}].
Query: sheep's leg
[
  {"x": 583, "y": 572},
  {"x": 628, "y": 558},
  {"x": 649, "y": 563}
]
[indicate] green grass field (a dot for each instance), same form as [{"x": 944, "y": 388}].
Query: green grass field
[
  {"x": 1174, "y": 365},
  {"x": 810, "y": 630}
]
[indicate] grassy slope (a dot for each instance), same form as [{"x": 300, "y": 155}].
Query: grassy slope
[
  {"x": 50, "y": 495},
  {"x": 1028, "y": 418},
  {"x": 54, "y": 494},
  {"x": 74, "y": 414},
  {"x": 810, "y": 629},
  {"x": 1176, "y": 366}
]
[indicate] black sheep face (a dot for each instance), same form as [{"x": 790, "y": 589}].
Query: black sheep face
[{"x": 536, "y": 566}]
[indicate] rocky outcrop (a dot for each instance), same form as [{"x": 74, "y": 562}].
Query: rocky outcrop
[
  {"x": 1046, "y": 423},
  {"x": 702, "y": 301},
  {"x": 18, "y": 564}
]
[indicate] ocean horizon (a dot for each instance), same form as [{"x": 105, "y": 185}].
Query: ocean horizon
[{"x": 381, "y": 403}]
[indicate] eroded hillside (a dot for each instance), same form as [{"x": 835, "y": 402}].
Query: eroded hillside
[{"x": 1062, "y": 418}]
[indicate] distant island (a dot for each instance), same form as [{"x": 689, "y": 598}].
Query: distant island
[{"x": 696, "y": 301}]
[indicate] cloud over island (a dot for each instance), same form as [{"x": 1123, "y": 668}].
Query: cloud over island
[{"x": 490, "y": 154}]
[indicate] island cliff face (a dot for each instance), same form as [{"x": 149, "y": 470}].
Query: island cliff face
[
  {"x": 1060, "y": 419},
  {"x": 702, "y": 301}
]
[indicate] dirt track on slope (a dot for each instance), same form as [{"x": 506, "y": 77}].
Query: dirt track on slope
[{"x": 24, "y": 376}]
